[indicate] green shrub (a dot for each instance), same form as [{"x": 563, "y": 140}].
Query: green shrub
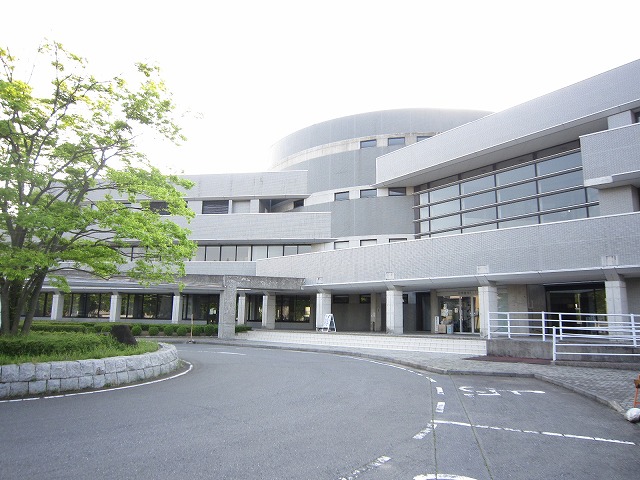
[
  {"x": 136, "y": 330},
  {"x": 198, "y": 330},
  {"x": 145, "y": 327},
  {"x": 242, "y": 328},
  {"x": 106, "y": 327},
  {"x": 153, "y": 331},
  {"x": 181, "y": 331},
  {"x": 58, "y": 327},
  {"x": 209, "y": 330},
  {"x": 168, "y": 330}
]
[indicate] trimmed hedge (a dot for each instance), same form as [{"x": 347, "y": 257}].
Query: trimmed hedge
[{"x": 52, "y": 343}]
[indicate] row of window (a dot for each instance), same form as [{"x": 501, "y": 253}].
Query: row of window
[
  {"x": 507, "y": 194},
  {"x": 371, "y": 193},
  {"x": 246, "y": 253},
  {"x": 391, "y": 141},
  {"x": 363, "y": 243}
]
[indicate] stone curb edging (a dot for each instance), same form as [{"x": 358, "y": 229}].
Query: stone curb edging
[{"x": 56, "y": 377}]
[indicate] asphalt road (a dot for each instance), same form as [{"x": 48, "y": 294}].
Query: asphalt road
[{"x": 244, "y": 413}]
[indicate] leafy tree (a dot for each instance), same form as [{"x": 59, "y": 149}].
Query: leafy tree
[{"x": 75, "y": 191}]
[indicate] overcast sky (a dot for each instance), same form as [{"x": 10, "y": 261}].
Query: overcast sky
[{"x": 253, "y": 72}]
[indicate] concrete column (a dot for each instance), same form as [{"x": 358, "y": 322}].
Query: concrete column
[
  {"x": 242, "y": 308},
  {"x": 115, "y": 307},
  {"x": 616, "y": 294},
  {"x": 323, "y": 306},
  {"x": 488, "y": 302},
  {"x": 227, "y": 314},
  {"x": 57, "y": 306},
  {"x": 374, "y": 313},
  {"x": 395, "y": 319},
  {"x": 269, "y": 311},
  {"x": 176, "y": 308}
]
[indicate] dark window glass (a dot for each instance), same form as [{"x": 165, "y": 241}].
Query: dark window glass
[
  {"x": 291, "y": 308},
  {"x": 368, "y": 193},
  {"x": 215, "y": 206},
  {"x": 243, "y": 253},
  {"x": 228, "y": 253},
  {"x": 393, "y": 240},
  {"x": 444, "y": 208},
  {"x": 516, "y": 175},
  {"x": 365, "y": 243},
  {"x": 341, "y": 299},
  {"x": 397, "y": 191},
  {"x": 559, "y": 182},
  {"x": 396, "y": 141},
  {"x": 201, "y": 307},
  {"x": 565, "y": 147},
  {"x": 339, "y": 196},
  {"x": 298, "y": 203},
  {"x": 368, "y": 143},
  {"x": 419, "y": 138},
  {"x": 517, "y": 191},
  {"x": 160, "y": 208},
  {"x": 560, "y": 200},
  {"x": 478, "y": 216},
  {"x": 258, "y": 252},
  {"x": 518, "y": 208},
  {"x": 365, "y": 299},
  {"x": 479, "y": 200},
  {"x": 560, "y": 163}
]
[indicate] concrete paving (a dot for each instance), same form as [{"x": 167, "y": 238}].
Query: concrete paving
[{"x": 609, "y": 384}]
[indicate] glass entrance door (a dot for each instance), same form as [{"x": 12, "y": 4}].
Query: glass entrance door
[{"x": 460, "y": 312}]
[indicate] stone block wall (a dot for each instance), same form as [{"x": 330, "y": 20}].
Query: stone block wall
[{"x": 57, "y": 377}]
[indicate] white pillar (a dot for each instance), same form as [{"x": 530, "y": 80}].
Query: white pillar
[
  {"x": 616, "y": 295},
  {"x": 323, "y": 306},
  {"x": 242, "y": 308},
  {"x": 269, "y": 311},
  {"x": 176, "y": 308},
  {"x": 395, "y": 318},
  {"x": 227, "y": 313},
  {"x": 374, "y": 313},
  {"x": 488, "y": 302},
  {"x": 57, "y": 306},
  {"x": 115, "y": 307}
]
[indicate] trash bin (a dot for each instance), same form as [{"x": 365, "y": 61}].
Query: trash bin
[{"x": 449, "y": 329}]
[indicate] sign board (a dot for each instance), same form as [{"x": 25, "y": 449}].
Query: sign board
[{"x": 329, "y": 324}]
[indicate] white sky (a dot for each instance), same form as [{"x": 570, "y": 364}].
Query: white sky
[{"x": 255, "y": 71}]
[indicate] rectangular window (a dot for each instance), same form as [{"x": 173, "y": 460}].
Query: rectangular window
[
  {"x": 478, "y": 216},
  {"x": 340, "y": 245},
  {"x": 446, "y": 222},
  {"x": 518, "y": 208},
  {"x": 517, "y": 191},
  {"x": 516, "y": 175},
  {"x": 341, "y": 299},
  {"x": 290, "y": 250},
  {"x": 215, "y": 207},
  {"x": 397, "y": 191},
  {"x": 243, "y": 253},
  {"x": 519, "y": 222},
  {"x": 394, "y": 240},
  {"x": 275, "y": 251},
  {"x": 241, "y": 206},
  {"x": 419, "y": 138},
  {"x": 228, "y": 253},
  {"x": 560, "y": 163},
  {"x": 567, "y": 180},
  {"x": 365, "y": 299},
  {"x": 339, "y": 196},
  {"x": 479, "y": 200},
  {"x": 560, "y": 200},
  {"x": 368, "y": 143},
  {"x": 200, "y": 254},
  {"x": 258, "y": 252},
  {"x": 572, "y": 214},
  {"x": 477, "y": 184},
  {"x": 444, "y": 193},
  {"x": 444, "y": 208},
  {"x": 396, "y": 141},
  {"x": 160, "y": 208},
  {"x": 304, "y": 249},
  {"x": 213, "y": 253},
  {"x": 298, "y": 203},
  {"x": 364, "y": 243},
  {"x": 368, "y": 193}
]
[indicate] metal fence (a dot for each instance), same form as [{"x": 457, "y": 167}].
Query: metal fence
[{"x": 571, "y": 333}]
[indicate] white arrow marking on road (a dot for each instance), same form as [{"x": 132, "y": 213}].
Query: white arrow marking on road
[
  {"x": 440, "y": 407},
  {"x": 442, "y": 476},
  {"x": 440, "y": 390}
]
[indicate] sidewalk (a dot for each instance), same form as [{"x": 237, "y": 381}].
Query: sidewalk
[{"x": 611, "y": 386}]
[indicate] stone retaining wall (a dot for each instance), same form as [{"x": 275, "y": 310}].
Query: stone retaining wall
[{"x": 56, "y": 377}]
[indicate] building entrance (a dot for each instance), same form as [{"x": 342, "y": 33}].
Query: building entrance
[{"x": 459, "y": 312}]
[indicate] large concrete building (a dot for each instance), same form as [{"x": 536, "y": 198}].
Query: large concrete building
[{"x": 401, "y": 220}]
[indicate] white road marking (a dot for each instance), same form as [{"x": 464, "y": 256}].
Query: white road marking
[
  {"x": 369, "y": 466},
  {"x": 424, "y": 432},
  {"x": 440, "y": 407},
  {"x": 551, "y": 434},
  {"x": 493, "y": 392},
  {"x": 439, "y": 390},
  {"x": 124, "y": 387},
  {"x": 392, "y": 366},
  {"x": 231, "y": 353},
  {"x": 441, "y": 476}
]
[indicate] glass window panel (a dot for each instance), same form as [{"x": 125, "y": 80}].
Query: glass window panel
[
  {"x": 275, "y": 251},
  {"x": 446, "y": 207},
  {"x": 560, "y": 163},
  {"x": 558, "y": 149},
  {"x": 228, "y": 253},
  {"x": 518, "y": 208},
  {"x": 340, "y": 245},
  {"x": 516, "y": 175},
  {"x": 258, "y": 252},
  {"x": 368, "y": 193},
  {"x": 290, "y": 249},
  {"x": 517, "y": 191},
  {"x": 200, "y": 253},
  {"x": 396, "y": 141},
  {"x": 368, "y": 143},
  {"x": 243, "y": 253},
  {"x": 364, "y": 243},
  {"x": 592, "y": 195},
  {"x": 161, "y": 208},
  {"x": 477, "y": 184},
  {"x": 394, "y": 240},
  {"x": 444, "y": 193},
  {"x": 215, "y": 206},
  {"x": 480, "y": 228},
  {"x": 213, "y": 253},
  {"x": 424, "y": 198},
  {"x": 398, "y": 192},
  {"x": 341, "y": 196},
  {"x": 560, "y": 200},
  {"x": 479, "y": 216},
  {"x": 424, "y": 212},
  {"x": 446, "y": 222},
  {"x": 594, "y": 211},
  {"x": 304, "y": 248},
  {"x": 559, "y": 182},
  {"x": 572, "y": 214},
  {"x": 241, "y": 206},
  {"x": 479, "y": 200},
  {"x": 424, "y": 227},
  {"x": 519, "y": 222},
  {"x": 419, "y": 138}
]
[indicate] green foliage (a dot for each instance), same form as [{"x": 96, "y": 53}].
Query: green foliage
[
  {"x": 52, "y": 327},
  {"x": 106, "y": 327},
  {"x": 181, "y": 331},
  {"x": 46, "y": 347},
  {"x": 153, "y": 331},
  {"x": 210, "y": 330},
  {"x": 75, "y": 190},
  {"x": 242, "y": 328},
  {"x": 136, "y": 330},
  {"x": 198, "y": 330},
  {"x": 168, "y": 330}
]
